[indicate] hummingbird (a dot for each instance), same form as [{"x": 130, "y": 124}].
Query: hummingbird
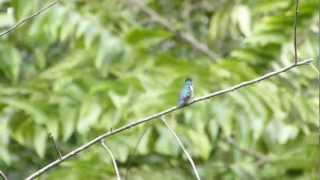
[{"x": 186, "y": 93}]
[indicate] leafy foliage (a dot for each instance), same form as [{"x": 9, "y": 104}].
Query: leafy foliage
[{"x": 84, "y": 67}]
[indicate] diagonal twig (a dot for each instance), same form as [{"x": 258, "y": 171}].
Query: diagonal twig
[
  {"x": 3, "y": 176},
  {"x": 185, "y": 36},
  {"x": 104, "y": 145},
  {"x": 20, "y": 23},
  {"x": 160, "y": 114},
  {"x": 194, "y": 168}
]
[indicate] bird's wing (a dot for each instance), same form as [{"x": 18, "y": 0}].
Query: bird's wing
[{"x": 184, "y": 96}]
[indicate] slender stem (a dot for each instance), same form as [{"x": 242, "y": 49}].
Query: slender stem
[
  {"x": 194, "y": 168},
  {"x": 18, "y": 24},
  {"x": 4, "y": 177},
  {"x": 115, "y": 166},
  {"x": 162, "y": 113}
]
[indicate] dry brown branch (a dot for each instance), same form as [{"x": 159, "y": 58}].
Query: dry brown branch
[
  {"x": 160, "y": 114},
  {"x": 20, "y": 23}
]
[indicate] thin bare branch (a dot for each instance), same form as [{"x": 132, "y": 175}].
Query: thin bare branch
[
  {"x": 4, "y": 177},
  {"x": 295, "y": 32},
  {"x": 185, "y": 36},
  {"x": 115, "y": 166},
  {"x": 20, "y": 23},
  {"x": 55, "y": 146},
  {"x": 162, "y": 113},
  {"x": 247, "y": 83},
  {"x": 194, "y": 168}
]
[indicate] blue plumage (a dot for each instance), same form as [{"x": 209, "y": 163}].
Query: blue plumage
[{"x": 186, "y": 93}]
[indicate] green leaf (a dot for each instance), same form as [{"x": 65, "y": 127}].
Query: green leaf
[
  {"x": 146, "y": 37},
  {"x": 110, "y": 49},
  {"x": 119, "y": 101},
  {"x": 166, "y": 143},
  {"x": 10, "y": 62},
  {"x": 40, "y": 141},
  {"x": 280, "y": 132},
  {"x": 69, "y": 26},
  {"x": 89, "y": 113},
  {"x": 243, "y": 17},
  {"x": 5, "y": 135},
  {"x": 68, "y": 118},
  {"x": 38, "y": 116},
  {"x": 200, "y": 146}
]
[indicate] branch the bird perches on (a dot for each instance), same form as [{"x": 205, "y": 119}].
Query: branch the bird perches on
[{"x": 162, "y": 113}]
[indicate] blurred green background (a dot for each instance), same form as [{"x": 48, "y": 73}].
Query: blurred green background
[{"x": 84, "y": 67}]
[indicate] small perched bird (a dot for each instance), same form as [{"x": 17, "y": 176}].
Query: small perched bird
[{"x": 186, "y": 93}]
